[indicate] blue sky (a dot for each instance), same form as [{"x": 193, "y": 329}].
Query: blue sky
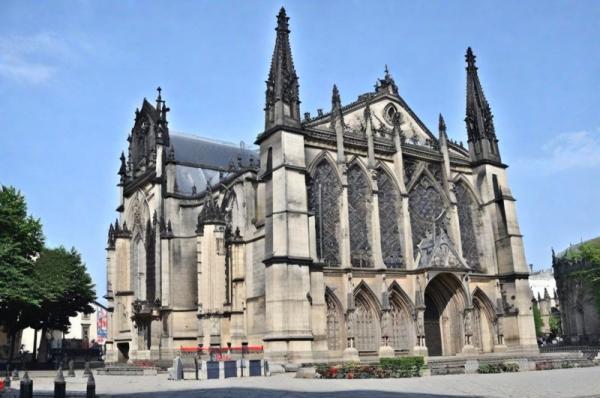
[{"x": 73, "y": 72}]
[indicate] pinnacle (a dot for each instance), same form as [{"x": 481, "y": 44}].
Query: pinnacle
[
  {"x": 282, "y": 21},
  {"x": 470, "y": 58},
  {"x": 442, "y": 124}
]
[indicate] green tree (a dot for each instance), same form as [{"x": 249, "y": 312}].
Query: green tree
[
  {"x": 65, "y": 286},
  {"x": 21, "y": 239},
  {"x": 590, "y": 253}
]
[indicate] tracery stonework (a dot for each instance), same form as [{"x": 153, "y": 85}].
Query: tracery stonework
[
  {"x": 467, "y": 216},
  {"x": 334, "y": 324},
  {"x": 358, "y": 216},
  {"x": 402, "y": 327},
  {"x": 426, "y": 206},
  {"x": 324, "y": 194},
  {"x": 290, "y": 244},
  {"x": 388, "y": 221}
]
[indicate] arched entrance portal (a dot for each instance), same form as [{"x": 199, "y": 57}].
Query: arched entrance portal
[{"x": 445, "y": 301}]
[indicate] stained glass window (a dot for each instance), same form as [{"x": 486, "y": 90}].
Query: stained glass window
[
  {"x": 467, "y": 216},
  {"x": 358, "y": 217},
  {"x": 391, "y": 249},
  {"x": 324, "y": 193},
  {"x": 425, "y": 204}
]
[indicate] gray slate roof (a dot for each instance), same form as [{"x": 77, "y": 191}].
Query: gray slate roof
[
  {"x": 201, "y": 161},
  {"x": 207, "y": 153}
]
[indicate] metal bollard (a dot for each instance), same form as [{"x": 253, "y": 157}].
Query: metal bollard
[
  {"x": 26, "y": 387},
  {"x": 60, "y": 386},
  {"x": 90, "y": 391},
  {"x": 86, "y": 369},
  {"x": 15, "y": 374},
  {"x": 71, "y": 369}
]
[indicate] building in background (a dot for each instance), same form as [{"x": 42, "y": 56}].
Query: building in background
[
  {"x": 354, "y": 233},
  {"x": 85, "y": 330},
  {"x": 542, "y": 283},
  {"x": 579, "y": 307}
]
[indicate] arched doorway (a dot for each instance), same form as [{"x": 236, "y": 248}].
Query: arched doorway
[
  {"x": 433, "y": 336},
  {"x": 445, "y": 301}
]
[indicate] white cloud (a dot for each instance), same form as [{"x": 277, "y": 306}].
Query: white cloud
[
  {"x": 566, "y": 151},
  {"x": 36, "y": 59}
]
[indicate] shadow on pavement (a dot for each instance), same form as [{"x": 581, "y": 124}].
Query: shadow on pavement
[{"x": 268, "y": 393}]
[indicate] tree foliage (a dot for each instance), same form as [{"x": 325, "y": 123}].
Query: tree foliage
[
  {"x": 21, "y": 239},
  {"x": 555, "y": 324},
  {"x": 590, "y": 253},
  {"x": 65, "y": 288},
  {"x": 39, "y": 288}
]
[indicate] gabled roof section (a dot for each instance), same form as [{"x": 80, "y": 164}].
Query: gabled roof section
[{"x": 196, "y": 151}]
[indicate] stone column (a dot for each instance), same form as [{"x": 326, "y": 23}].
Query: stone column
[
  {"x": 350, "y": 353},
  {"x": 421, "y": 346},
  {"x": 385, "y": 350},
  {"x": 404, "y": 222},
  {"x": 287, "y": 261},
  {"x": 448, "y": 185},
  {"x": 238, "y": 276}
]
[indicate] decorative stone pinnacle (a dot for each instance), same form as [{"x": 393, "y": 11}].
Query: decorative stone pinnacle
[
  {"x": 470, "y": 57},
  {"x": 442, "y": 125},
  {"x": 335, "y": 96},
  {"x": 282, "y": 21}
]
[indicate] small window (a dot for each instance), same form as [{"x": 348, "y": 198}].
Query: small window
[{"x": 389, "y": 112}]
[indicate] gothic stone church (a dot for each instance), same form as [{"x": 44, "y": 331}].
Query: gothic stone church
[{"x": 347, "y": 235}]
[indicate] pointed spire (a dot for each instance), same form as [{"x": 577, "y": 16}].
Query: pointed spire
[
  {"x": 442, "y": 127},
  {"x": 483, "y": 143},
  {"x": 282, "y": 95},
  {"x": 336, "y": 107}
]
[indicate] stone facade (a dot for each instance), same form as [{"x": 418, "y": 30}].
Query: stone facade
[
  {"x": 353, "y": 234},
  {"x": 580, "y": 319}
]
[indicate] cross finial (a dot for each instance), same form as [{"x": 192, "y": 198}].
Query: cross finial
[{"x": 387, "y": 72}]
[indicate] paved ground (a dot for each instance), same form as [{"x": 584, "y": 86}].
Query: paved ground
[{"x": 584, "y": 382}]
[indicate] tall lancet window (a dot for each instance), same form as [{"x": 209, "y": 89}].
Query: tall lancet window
[
  {"x": 426, "y": 205},
  {"x": 388, "y": 221},
  {"x": 468, "y": 217},
  {"x": 358, "y": 217},
  {"x": 150, "y": 284},
  {"x": 334, "y": 324},
  {"x": 324, "y": 197},
  {"x": 138, "y": 268}
]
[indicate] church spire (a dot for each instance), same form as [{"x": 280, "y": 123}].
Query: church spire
[
  {"x": 483, "y": 144},
  {"x": 282, "y": 96}
]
